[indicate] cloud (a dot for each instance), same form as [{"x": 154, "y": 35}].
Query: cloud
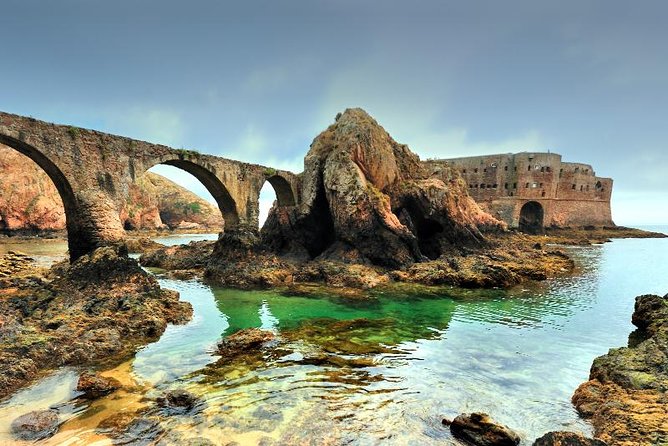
[
  {"x": 157, "y": 125},
  {"x": 457, "y": 142}
]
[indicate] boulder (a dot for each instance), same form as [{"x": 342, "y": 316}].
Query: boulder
[
  {"x": 567, "y": 439},
  {"x": 36, "y": 425},
  {"x": 480, "y": 430},
  {"x": 95, "y": 386}
]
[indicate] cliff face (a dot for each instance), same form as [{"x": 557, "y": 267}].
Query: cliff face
[
  {"x": 29, "y": 201},
  {"x": 367, "y": 198}
]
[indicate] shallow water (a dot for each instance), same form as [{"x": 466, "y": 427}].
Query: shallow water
[{"x": 390, "y": 374}]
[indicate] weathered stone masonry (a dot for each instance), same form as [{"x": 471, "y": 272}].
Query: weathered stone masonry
[
  {"x": 535, "y": 190},
  {"x": 93, "y": 171}
]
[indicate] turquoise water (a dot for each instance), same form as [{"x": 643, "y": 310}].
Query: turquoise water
[{"x": 397, "y": 367}]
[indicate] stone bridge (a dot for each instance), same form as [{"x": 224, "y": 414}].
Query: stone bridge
[{"x": 93, "y": 171}]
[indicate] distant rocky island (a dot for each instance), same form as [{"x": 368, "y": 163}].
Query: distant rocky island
[{"x": 30, "y": 203}]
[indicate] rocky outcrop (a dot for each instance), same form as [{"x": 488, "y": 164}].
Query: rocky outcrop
[
  {"x": 102, "y": 306},
  {"x": 367, "y": 198},
  {"x": 29, "y": 201},
  {"x": 480, "y": 430},
  {"x": 625, "y": 395}
]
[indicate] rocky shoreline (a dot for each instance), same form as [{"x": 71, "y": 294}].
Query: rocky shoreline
[
  {"x": 98, "y": 309},
  {"x": 507, "y": 260},
  {"x": 625, "y": 397}
]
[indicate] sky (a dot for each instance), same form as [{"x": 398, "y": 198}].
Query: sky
[{"x": 258, "y": 80}]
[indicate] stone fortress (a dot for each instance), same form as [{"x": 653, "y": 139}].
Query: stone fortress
[{"x": 533, "y": 190}]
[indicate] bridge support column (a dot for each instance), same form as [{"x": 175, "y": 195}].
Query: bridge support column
[{"x": 93, "y": 224}]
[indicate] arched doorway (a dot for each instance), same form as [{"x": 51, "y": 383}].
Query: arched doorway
[{"x": 531, "y": 217}]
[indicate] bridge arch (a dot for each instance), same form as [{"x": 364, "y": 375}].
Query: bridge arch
[
  {"x": 224, "y": 200},
  {"x": 77, "y": 244},
  {"x": 283, "y": 189},
  {"x": 531, "y": 217}
]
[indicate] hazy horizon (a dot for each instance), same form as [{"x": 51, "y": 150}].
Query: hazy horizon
[{"x": 258, "y": 81}]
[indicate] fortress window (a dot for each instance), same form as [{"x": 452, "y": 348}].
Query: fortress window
[
  {"x": 529, "y": 168},
  {"x": 515, "y": 168},
  {"x": 493, "y": 165},
  {"x": 548, "y": 169},
  {"x": 494, "y": 186},
  {"x": 541, "y": 184},
  {"x": 505, "y": 186},
  {"x": 511, "y": 194},
  {"x": 527, "y": 186},
  {"x": 587, "y": 189},
  {"x": 463, "y": 170},
  {"x": 475, "y": 170},
  {"x": 482, "y": 186},
  {"x": 581, "y": 187},
  {"x": 542, "y": 169},
  {"x": 534, "y": 185},
  {"x": 505, "y": 168},
  {"x": 542, "y": 194},
  {"x": 485, "y": 169},
  {"x": 573, "y": 187},
  {"x": 586, "y": 170},
  {"x": 514, "y": 185},
  {"x": 599, "y": 186},
  {"x": 577, "y": 170}
]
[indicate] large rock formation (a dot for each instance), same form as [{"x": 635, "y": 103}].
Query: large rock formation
[
  {"x": 29, "y": 201},
  {"x": 625, "y": 397},
  {"x": 367, "y": 198}
]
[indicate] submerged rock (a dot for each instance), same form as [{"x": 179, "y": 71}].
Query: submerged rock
[
  {"x": 36, "y": 425},
  {"x": 245, "y": 341},
  {"x": 480, "y": 430},
  {"x": 567, "y": 439},
  {"x": 95, "y": 386},
  {"x": 179, "y": 401}
]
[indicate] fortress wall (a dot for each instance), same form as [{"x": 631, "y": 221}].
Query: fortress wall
[{"x": 570, "y": 193}]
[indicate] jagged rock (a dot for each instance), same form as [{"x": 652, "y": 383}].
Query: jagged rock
[
  {"x": 625, "y": 395},
  {"x": 567, "y": 439},
  {"x": 368, "y": 193},
  {"x": 36, "y": 425},
  {"x": 480, "y": 430},
  {"x": 244, "y": 341},
  {"x": 95, "y": 386}
]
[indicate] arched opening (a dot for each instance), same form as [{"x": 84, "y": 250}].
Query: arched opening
[
  {"x": 275, "y": 189},
  {"x": 77, "y": 245},
  {"x": 531, "y": 218},
  {"x": 166, "y": 197},
  {"x": 426, "y": 230},
  {"x": 191, "y": 188}
]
